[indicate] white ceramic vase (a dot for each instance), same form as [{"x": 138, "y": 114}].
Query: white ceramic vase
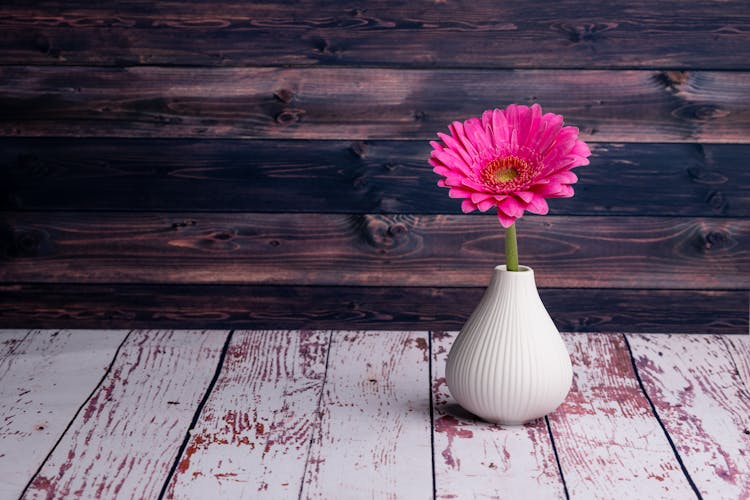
[{"x": 509, "y": 364}]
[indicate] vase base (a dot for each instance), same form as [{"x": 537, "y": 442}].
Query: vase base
[{"x": 509, "y": 423}]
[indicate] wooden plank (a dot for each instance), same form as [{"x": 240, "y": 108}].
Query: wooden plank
[
  {"x": 365, "y": 103},
  {"x": 253, "y": 435},
  {"x": 367, "y": 307},
  {"x": 43, "y": 383},
  {"x": 474, "y": 459},
  {"x": 394, "y": 250},
  {"x": 607, "y": 438},
  {"x": 373, "y": 439},
  {"x": 128, "y": 435},
  {"x": 739, "y": 351},
  {"x": 529, "y": 34},
  {"x": 704, "y": 405},
  {"x": 9, "y": 340},
  {"x": 344, "y": 177}
]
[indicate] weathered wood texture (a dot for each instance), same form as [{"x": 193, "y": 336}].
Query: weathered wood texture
[
  {"x": 240, "y": 306},
  {"x": 332, "y": 249},
  {"x": 125, "y": 440},
  {"x": 373, "y": 437},
  {"x": 739, "y": 351},
  {"x": 346, "y": 177},
  {"x": 43, "y": 382},
  {"x": 502, "y": 462},
  {"x": 448, "y": 34},
  {"x": 9, "y": 341},
  {"x": 365, "y": 103},
  {"x": 607, "y": 438},
  {"x": 365, "y": 401},
  {"x": 253, "y": 436},
  {"x": 704, "y": 404}
]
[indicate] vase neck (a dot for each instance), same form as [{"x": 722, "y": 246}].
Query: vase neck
[{"x": 524, "y": 277}]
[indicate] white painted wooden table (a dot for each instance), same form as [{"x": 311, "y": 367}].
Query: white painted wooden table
[{"x": 261, "y": 414}]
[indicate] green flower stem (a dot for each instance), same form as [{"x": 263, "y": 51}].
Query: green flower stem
[{"x": 511, "y": 248}]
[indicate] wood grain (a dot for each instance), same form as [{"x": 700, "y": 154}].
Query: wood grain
[
  {"x": 253, "y": 435},
  {"x": 365, "y": 103},
  {"x": 373, "y": 250},
  {"x": 607, "y": 438},
  {"x": 704, "y": 404},
  {"x": 474, "y": 459},
  {"x": 345, "y": 177},
  {"x": 739, "y": 350},
  {"x": 295, "y": 307},
  {"x": 128, "y": 435},
  {"x": 43, "y": 383},
  {"x": 9, "y": 341},
  {"x": 510, "y": 34},
  {"x": 373, "y": 440}
]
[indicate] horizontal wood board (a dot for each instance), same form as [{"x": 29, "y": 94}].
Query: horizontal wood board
[
  {"x": 285, "y": 176},
  {"x": 294, "y": 307},
  {"x": 365, "y": 103},
  {"x": 376, "y": 250},
  {"x": 302, "y": 131},
  {"x": 412, "y": 34}
]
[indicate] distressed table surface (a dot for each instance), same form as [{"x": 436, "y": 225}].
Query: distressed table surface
[{"x": 345, "y": 414}]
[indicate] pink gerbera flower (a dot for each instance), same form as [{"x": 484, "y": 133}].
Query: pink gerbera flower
[{"x": 512, "y": 159}]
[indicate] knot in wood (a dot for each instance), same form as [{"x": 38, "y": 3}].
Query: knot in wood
[
  {"x": 284, "y": 95},
  {"x": 223, "y": 236},
  {"x": 702, "y": 112},
  {"x": 383, "y": 233},
  {"x": 396, "y": 230},
  {"x": 672, "y": 80},
  {"x": 25, "y": 244},
  {"x": 358, "y": 148},
  {"x": 716, "y": 200},
  {"x": 289, "y": 116},
  {"x": 714, "y": 240},
  {"x": 184, "y": 223},
  {"x": 704, "y": 175}
]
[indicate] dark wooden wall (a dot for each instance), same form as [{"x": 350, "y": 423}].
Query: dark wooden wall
[{"x": 238, "y": 165}]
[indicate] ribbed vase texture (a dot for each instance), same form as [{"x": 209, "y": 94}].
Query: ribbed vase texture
[{"x": 509, "y": 364}]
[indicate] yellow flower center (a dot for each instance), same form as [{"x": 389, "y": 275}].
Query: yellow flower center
[{"x": 501, "y": 171}]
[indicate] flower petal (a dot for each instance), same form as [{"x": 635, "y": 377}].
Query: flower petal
[
  {"x": 566, "y": 177},
  {"x": 511, "y": 206},
  {"x": 486, "y": 205},
  {"x": 548, "y": 190},
  {"x": 476, "y": 134},
  {"x": 499, "y": 128},
  {"x": 479, "y": 197},
  {"x": 467, "y": 206},
  {"x": 459, "y": 193},
  {"x": 474, "y": 185},
  {"x": 454, "y": 154},
  {"x": 538, "y": 206},
  {"x": 565, "y": 192},
  {"x": 505, "y": 220},
  {"x": 457, "y": 131},
  {"x": 526, "y": 196}
]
